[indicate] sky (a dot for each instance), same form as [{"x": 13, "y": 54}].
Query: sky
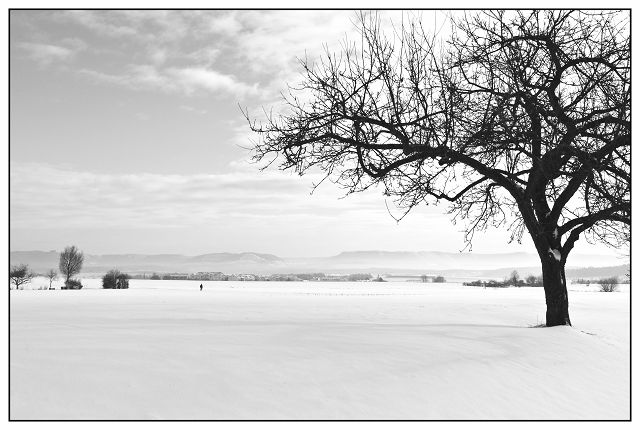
[{"x": 127, "y": 136}]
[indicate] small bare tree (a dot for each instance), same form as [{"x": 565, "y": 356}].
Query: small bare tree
[
  {"x": 20, "y": 275},
  {"x": 533, "y": 281},
  {"x": 522, "y": 119},
  {"x": 52, "y": 275},
  {"x": 71, "y": 260},
  {"x": 514, "y": 278}
]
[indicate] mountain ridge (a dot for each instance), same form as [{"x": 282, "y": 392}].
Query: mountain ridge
[{"x": 369, "y": 261}]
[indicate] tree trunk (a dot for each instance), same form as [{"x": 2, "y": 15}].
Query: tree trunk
[{"x": 555, "y": 291}]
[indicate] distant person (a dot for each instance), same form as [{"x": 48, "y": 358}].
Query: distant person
[{"x": 200, "y": 287}]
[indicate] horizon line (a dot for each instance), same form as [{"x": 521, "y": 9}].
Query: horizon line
[{"x": 315, "y": 256}]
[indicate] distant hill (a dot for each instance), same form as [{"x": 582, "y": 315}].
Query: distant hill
[
  {"x": 245, "y": 262},
  {"x": 431, "y": 259},
  {"x": 451, "y": 264}
]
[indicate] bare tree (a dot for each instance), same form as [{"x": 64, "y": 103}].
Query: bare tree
[
  {"x": 20, "y": 275},
  {"x": 608, "y": 285},
  {"x": 533, "y": 281},
  {"x": 514, "y": 278},
  {"x": 71, "y": 260},
  {"x": 52, "y": 275},
  {"x": 521, "y": 120}
]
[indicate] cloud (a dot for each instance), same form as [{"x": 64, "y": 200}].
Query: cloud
[
  {"x": 44, "y": 196},
  {"x": 158, "y": 55},
  {"x": 74, "y": 43},
  {"x": 276, "y": 38},
  {"x": 206, "y": 56},
  {"x": 143, "y": 116},
  {"x": 45, "y": 54},
  {"x": 224, "y": 23},
  {"x": 244, "y": 53},
  {"x": 240, "y": 52},
  {"x": 136, "y": 77},
  {"x": 192, "y": 109},
  {"x": 193, "y": 78},
  {"x": 247, "y": 53},
  {"x": 188, "y": 81},
  {"x": 105, "y": 23},
  {"x": 158, "y": 25},
  {"x": 245, "y": 209}
]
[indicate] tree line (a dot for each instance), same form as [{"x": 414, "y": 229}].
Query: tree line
[
  {"x": 70, "y": 265},
  {"x": 607, "y": 285}
]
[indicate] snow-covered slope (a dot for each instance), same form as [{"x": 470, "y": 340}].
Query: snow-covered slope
[{"x": 165, "y": 350}]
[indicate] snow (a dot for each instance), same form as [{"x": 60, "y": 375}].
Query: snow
[
  {"x": 263, "y": 350},
  {"x": 556, "y": 254}
]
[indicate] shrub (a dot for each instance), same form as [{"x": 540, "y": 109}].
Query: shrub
[
  {"x": 492, "y": 283},
  {"x": 533, "y": 281},
  {"x": 109, "y": 279},
  {"x": 608, "y": 285},
  {"x": 477, "y": 283},
  {"x": 114, "y": 279},
  {"x": 72, "y": 284},
  {"x": 582, "y": 281},
  {"x": 439, "y": 279},
  {"x": 123, "y": 281},
  {"x": 359, "y": 277}
]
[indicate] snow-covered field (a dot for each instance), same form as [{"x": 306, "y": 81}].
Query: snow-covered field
[{"x": 263, "y": 350}]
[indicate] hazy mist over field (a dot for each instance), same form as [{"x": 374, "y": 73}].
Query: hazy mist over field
[{"x": 440, "y": 263}]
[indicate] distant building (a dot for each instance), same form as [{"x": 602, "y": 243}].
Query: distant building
[
  {"x": 207, "y": 276},
  {"x": 334, "y": 277},
  {"x": 176, "y": 276}
]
